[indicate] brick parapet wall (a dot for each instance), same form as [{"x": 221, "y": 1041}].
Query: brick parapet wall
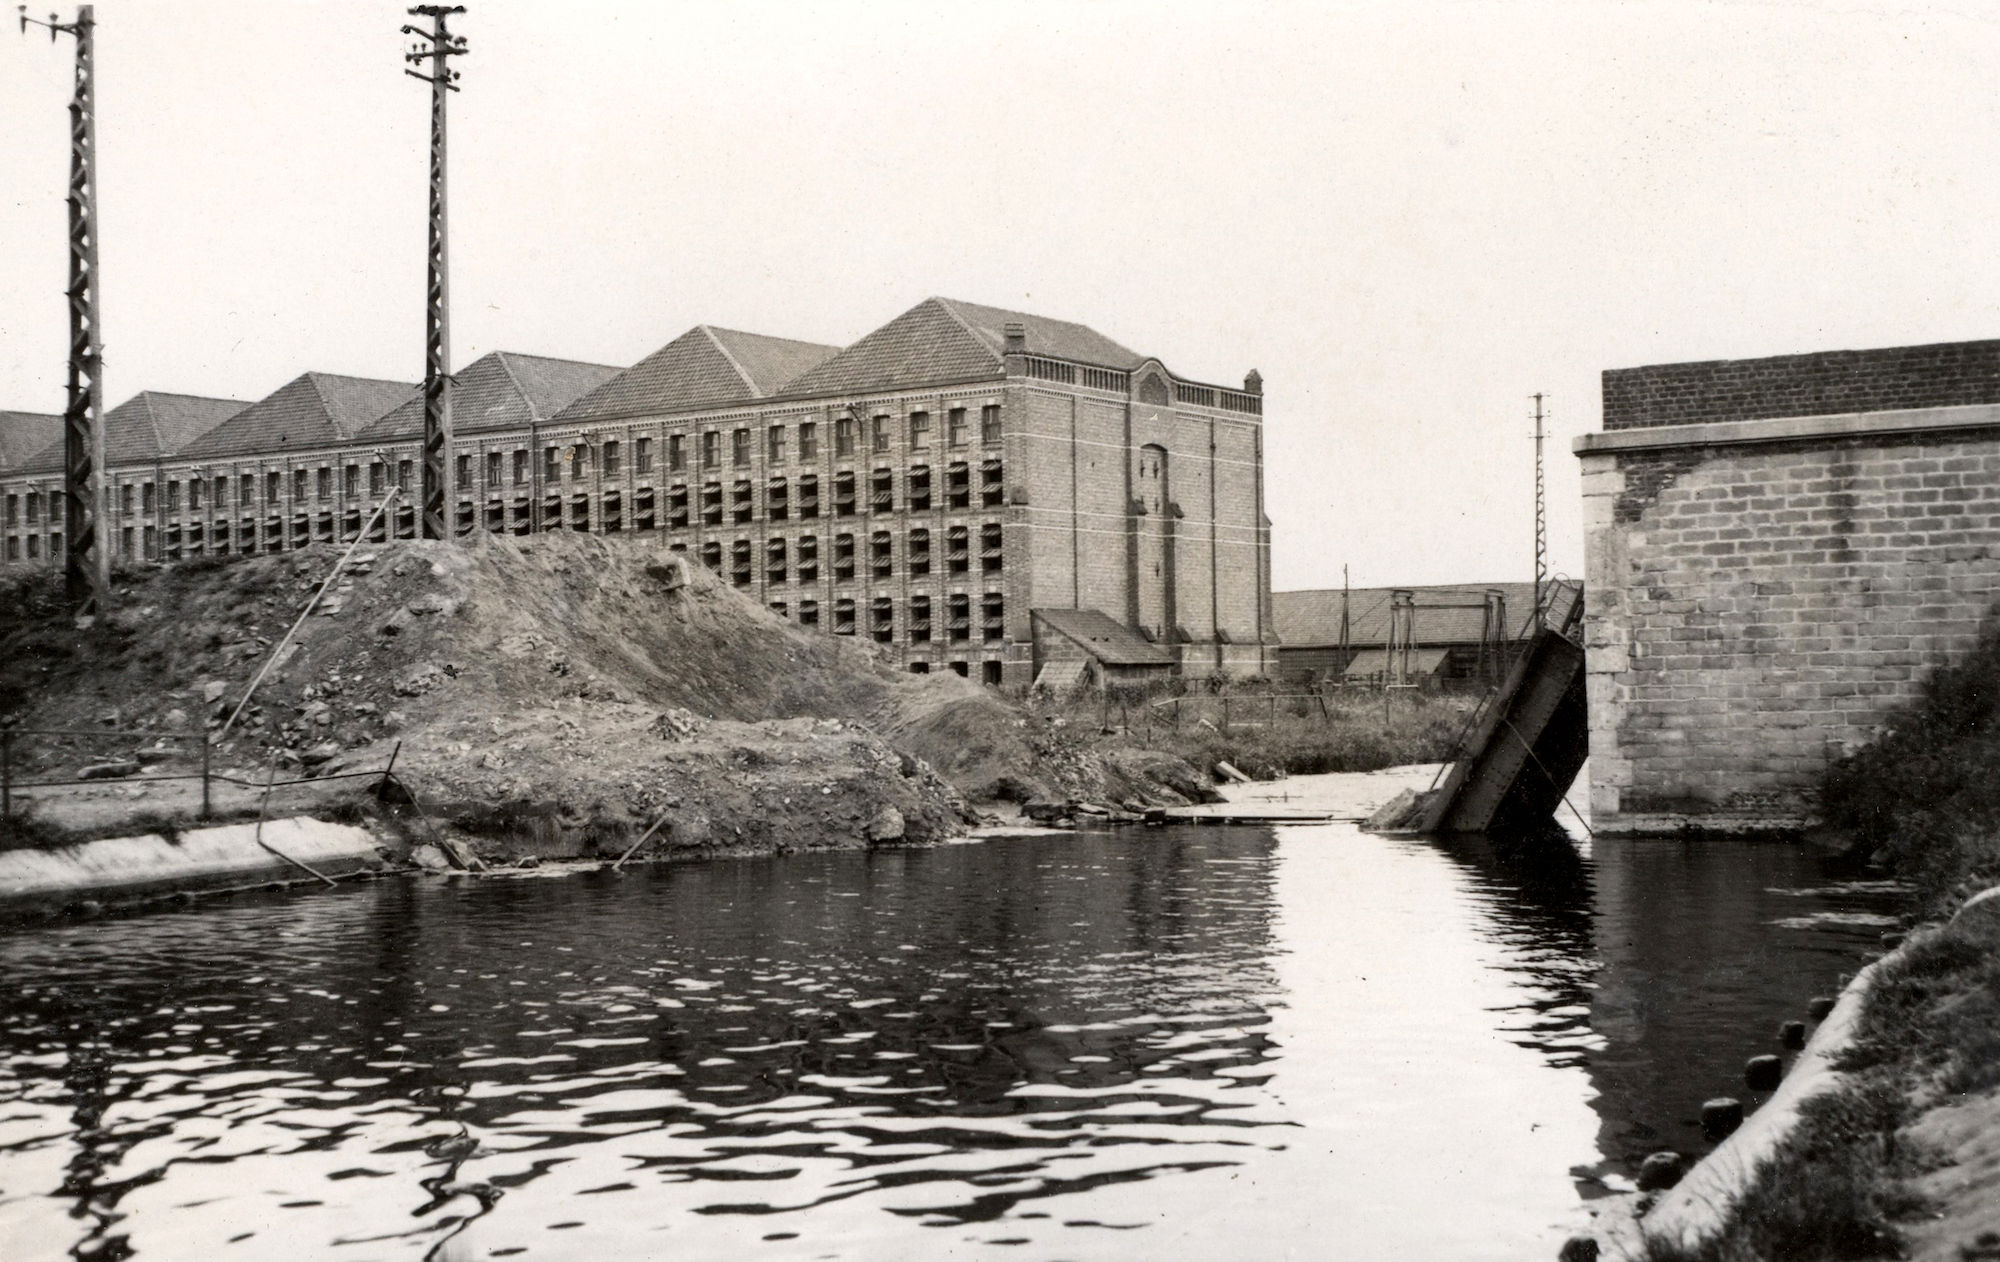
[
  {"x": 1949, "y": 374},
  {"x": 1755, "y": 611}
]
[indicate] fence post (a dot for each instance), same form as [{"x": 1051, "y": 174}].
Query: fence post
[
  {"x": 6, "y": 773},
  {"x": 1225, "y": 711},
  {"x": 205, "y": 809},
  {"x": 1274, "y": 712}
]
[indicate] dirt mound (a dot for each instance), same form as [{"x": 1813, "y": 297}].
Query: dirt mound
[{"x": 561, "y": 686}]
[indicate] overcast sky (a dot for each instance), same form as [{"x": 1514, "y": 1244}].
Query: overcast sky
[{"x": 1408, "y": 217}]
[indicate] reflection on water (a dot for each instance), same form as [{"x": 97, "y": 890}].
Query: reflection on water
[{"x": 1169, "y": 1043}]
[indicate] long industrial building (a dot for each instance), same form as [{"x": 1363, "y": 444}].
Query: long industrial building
[{"x": 986, "y": 491}]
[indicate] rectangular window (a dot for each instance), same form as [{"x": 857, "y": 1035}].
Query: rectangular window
[
  {"x": 992, "y": 490},
  {"x": 676, "y": 453},
  {"x": 711, "y": 449},
  {"x": 464, "y": 470},
  {"x": 808, "y": 559},
  {"x": 124, "y": 503},
  {"x": 809, "y": 496},
  {"x": 843, "y": 437},
  {"x": 989, "y": 548},
  {"x": 882, "y": 491},
  {"x": 739, "y": 448},
  {"x": 173, "y": 500},
  {"x": 878, "y": 433},
  {"x": 774, "y": 561},
  {"x": 324, "y": 480},
  {"x": 299, "y": 477},
  {"x": 920, "y": 430},
  {"x": 881, "y": 555},
  {"x": 642, "y": 455},
  {"x": 146, "y": 496},
  {"x": 843, "y": 557},
  {"x": 194, "y": 495},
  {"x": 579, "y": 460},
  {"x": 843, "y": 617},
  {"x": 644, "y": 516},
  {"x": 711, "y": 503},
  {"x": 919, "y": 555},
  {"x": 955, "y": 427},
  {"x": 920, "y": 620},
  {"x": 808, "y": 440},
  {"x": 958, "y": 485},
  {"x": 780, "y": 608},
  {"x": 711, "y": 555},
  {"x": 743, "y": 500},
  {"x": 739, "y": 563},
  {"x": 920, "y": 488},
  {"x": 246, "y": 491},
  {"x": 274, "y": 486},
  {"x": 14, "y": 507},
  {"x": 774, "y": 444},
  {"x": 777, "y": 500},
  {"x": 551, "y": 465},
  {"x": 521, "y": 467},
  {"x": 809, "y": 613},
  {"x": 882, "y": 619},
  {"x": 957, "y": 550},
  {"x": 958, "y": 620},
  {"x": 843, "y": 495},
  {"x": 495, "y": 469},
  {"x": 992, "y": 617},
  {"x": 989, "y": 424},
  {"x": 403, "y": 475},
  {"x": 353, "y": 478},
  {"x": 611, "y": 458},
  {"x": 677, "y": 506}
]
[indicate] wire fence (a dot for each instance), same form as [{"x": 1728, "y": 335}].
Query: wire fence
[{"x": 12, "y": 738}]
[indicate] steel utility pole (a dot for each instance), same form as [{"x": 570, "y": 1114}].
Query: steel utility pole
[
  {"x": 436, "y": 484},
  {"x": 87, "y": 558},
  {"x": 1541, "y": 525}
]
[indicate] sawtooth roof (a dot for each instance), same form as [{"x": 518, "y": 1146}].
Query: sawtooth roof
[
  {"x": 23, "y": 435},
  {"x": 1104, "y": 637},
  {"x": 1311, "y": 619},
  {"x": 943, "y": 340},
  {"x": 703, "y": 367},
  {"x": 316, "y": 409},
  {"x": 149, "y": 425},
  {"x": 496, "y": 391}
]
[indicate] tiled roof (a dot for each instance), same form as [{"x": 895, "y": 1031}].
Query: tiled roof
[
  {"x": 943, "y": 340},
  {"x": 23, "y": 435},
  {"x": 1104, "y": 637},
  {"x": 703, "y": 367},
  {"x": 497, "y": 391},
  {"x": 314, "y": 410},
  {"x": 1059, "y": 339},
  {"x": 145, "y": 427},
  {"x": 1311, "y": 619}
]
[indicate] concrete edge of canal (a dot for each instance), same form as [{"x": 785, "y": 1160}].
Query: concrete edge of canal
[{"x": 88, "y": 876}]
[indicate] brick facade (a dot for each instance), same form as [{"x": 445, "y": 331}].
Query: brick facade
[
  {"x": 1766, "y": 591},
  {"x": 930, "y": 519},
  {"x": 1825, "y": 383}
]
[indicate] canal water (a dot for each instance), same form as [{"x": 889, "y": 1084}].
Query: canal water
[{"x": 1211, "y": 1043}]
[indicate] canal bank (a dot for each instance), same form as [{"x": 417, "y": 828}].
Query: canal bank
[{"x": 1188, "y": 1041}]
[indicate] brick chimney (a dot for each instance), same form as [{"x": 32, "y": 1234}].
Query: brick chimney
[
  {"x": 1253, "y": 382},
  {"x": 1017, "y": 337}
]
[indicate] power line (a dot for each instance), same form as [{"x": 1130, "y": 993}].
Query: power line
[
  {"x": 436, "y": 482},
  {"x": 86, "y": 556}
]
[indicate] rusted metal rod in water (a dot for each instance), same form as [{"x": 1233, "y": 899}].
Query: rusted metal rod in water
[
  {"x": 278, "y": 653},
  {"x": 642, "y": 840},
  {"x": 270, "y": 779}
]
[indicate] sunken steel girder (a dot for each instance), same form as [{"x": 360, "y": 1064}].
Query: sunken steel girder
[{"x": 87, "y": 563}]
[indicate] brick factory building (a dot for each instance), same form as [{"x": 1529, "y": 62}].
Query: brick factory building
[
  {"x": 1779, "y": 552},
  {"x": 931, "y": 488}
]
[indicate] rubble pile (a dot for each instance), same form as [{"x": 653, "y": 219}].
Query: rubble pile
[{"x": 553, "y": 694}]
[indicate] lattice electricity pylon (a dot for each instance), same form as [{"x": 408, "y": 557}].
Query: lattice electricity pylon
[
  {"x": 436, "y": 485},
  {"x": 1541, "y": 527},
  {"x": 86, "y": 546}
]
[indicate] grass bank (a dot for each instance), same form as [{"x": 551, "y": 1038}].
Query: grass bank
[
  {"x": 1268, "y": 729},
  {"x": 1858, "y": 1178}
]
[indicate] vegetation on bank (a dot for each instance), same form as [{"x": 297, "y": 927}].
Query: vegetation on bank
[
  {"x": 1267, "y": 729},
  {"x": 1922, "y": 803}
]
